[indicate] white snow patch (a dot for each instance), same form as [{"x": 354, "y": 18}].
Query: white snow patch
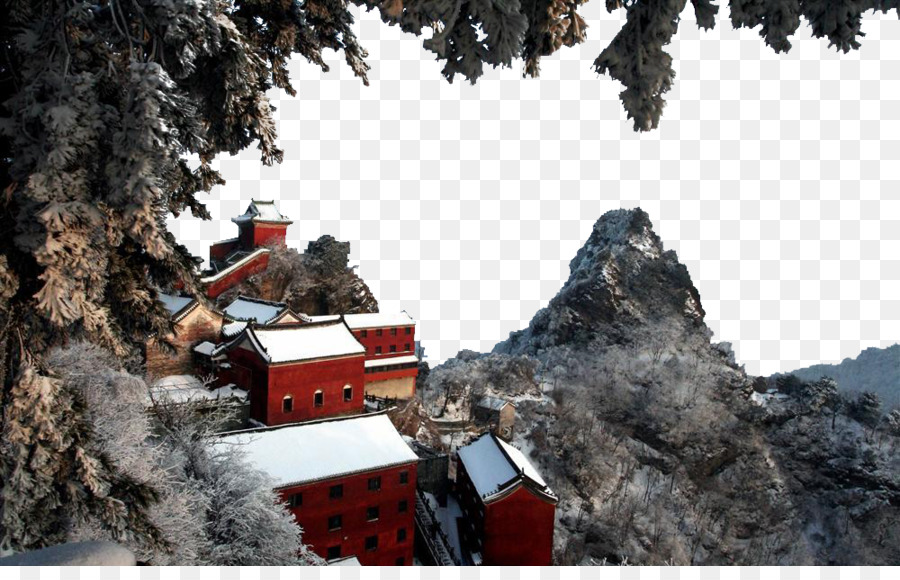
[
  {"x": 397, "y": 360},
  {"x": 174, "y": 304},
  {"x": 188, "y": 388},
  {"x": 486, "y": 465},
  {"x": 205, "y": 347},
  {"x": 378, "y": 319},
  {"x": 306, "y": 452},
  {"x": 287, "y": 344},
  {"x": 243, "y": 309},
  {"x": 234, "y": 328}
]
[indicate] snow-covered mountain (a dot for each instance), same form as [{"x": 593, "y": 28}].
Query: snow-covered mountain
[
  {"x": 661, "y": 447},
  {"x": 876, "y": 370},
  {"x": 621, "y": 278}
]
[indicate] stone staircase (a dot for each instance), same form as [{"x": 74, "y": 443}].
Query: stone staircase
[{"x": 430, "y": 529}]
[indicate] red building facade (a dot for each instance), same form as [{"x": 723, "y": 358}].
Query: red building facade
[
  {"x": 368, "y": 515},
  {"x": 298, "y": 372},
  {"x": 350, "y": 483},
  {"x": 233, "y": 261},
  {"x": 510, "y": 508},
  {"x": 391, "y": 363}
]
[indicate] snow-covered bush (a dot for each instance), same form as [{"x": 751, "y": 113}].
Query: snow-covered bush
[{"x": 208, "y": 508}]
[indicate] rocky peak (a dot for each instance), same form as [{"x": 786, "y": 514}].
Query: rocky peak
[{"x": 620, "y": 279}]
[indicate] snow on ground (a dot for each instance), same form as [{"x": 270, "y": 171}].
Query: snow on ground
[
  {"x": 187, "y": 388},
  {"x": 763, "y": 399},
  {"x": 447, "y": 517}
]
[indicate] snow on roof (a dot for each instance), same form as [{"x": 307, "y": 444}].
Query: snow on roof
[
  {"x": 486, "y": 465},
  {"x": 395, "y": 360},
  {"x": 493, "y": 403},
  {"x": 320, "y": 318},
  {"x": 492, "y": 463},
  {"x": 521, "y": 462},
  {"x": 235, "y": 266},
  {"x": 378, "y": 319},
  {"x": 205, "y": 347},
  {"x": 347, "y": 561},
  {"x": 246, "y": 308},
  {"x": 261, "y": 211},
  {"x": 312, "y": 451},
  {"x": 174, "y": 304},
  {"x": 286, "y": 343},
  {"x": 234, "y": 328}
]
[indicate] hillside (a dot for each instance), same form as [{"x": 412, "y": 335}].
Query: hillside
[
  {"x": 875, "y": 369},
  {"x": 317, "y": 281},
  {"x": 656, "y": 441}
]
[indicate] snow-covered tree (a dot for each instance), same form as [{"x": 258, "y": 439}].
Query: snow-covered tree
[
  {"x": 212, "y": 507},
  {"x": 116, "y": 402},
  {"x": 103, "y": 103},
  {"x": 245, "y": 521}
]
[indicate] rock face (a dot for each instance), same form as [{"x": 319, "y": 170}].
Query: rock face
[
  {"x": 660, "y": 446},
  {"x": 318, "y": 281},
  {"x": 876, "y": 370},
  {"x": 620, "y": 278}
]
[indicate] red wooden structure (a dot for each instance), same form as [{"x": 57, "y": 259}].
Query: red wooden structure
[
  {"x": 297, "y": 372},
  {"x": 232, "y": 261},
  {"x": 510, "y": 508},
  {"x": 350, "y": 483},
  {"x": 391, "y": 363}
]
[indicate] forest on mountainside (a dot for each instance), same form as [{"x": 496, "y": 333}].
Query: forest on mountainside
[{"x": 661, "y": 448}]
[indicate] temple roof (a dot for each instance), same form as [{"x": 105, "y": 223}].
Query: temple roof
[
  {"x": 247, "y": 308},
  {"x": 378, "y": 320},
  {"x": 261, "y": 211},
  {"x": 281, "y": 343},
  {"x": 496, "y": 467},
  {"x": 324, "y": 449}
]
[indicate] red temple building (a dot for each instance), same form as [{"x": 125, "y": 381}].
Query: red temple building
[
  {"x": 233, "y": 261},
  {"x": 391, "y": 363},
  {"x": 508, "y": 509},
  {"x": 297, "y": 372},
  {"x": 350, "y": 483}
]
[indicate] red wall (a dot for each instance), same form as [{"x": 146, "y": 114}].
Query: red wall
[
  {"x": 269, "y": 385},
  {"x": 301, "y": 380},
  {"x": 371, "y": 340},
  {"x": 518, "y": 531},
  {"x": 254, "y": 235},
  {"x": 514, "y": 531},
  {"x": 317, "y": 507},
  {"x": 219, "y": 250},
  {"x": 258, "y": 264}
]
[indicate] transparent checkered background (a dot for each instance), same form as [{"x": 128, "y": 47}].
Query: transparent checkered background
[{"x": 775, "y": 178}]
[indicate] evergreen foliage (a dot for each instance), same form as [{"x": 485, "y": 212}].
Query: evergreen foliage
[{"x": 105, "y": 101}]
